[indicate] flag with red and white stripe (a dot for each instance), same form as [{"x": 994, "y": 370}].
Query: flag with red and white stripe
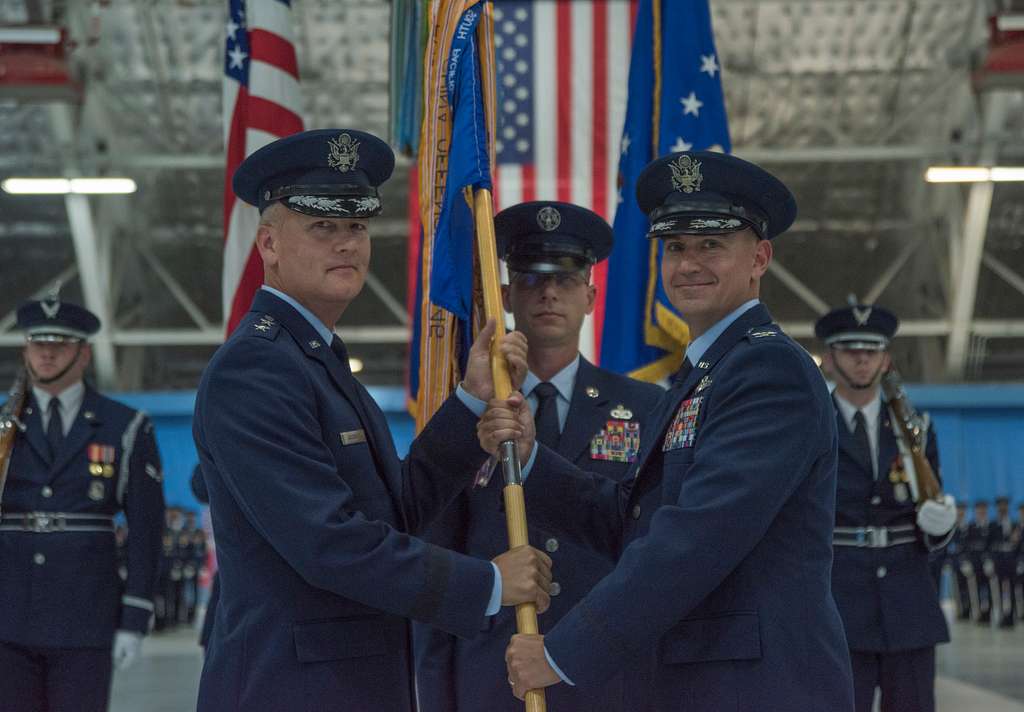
[
  {"x": 562, "y": 70},
  {"x": 262, "y": 103}
]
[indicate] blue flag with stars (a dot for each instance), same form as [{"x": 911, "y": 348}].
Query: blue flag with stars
[{"x": 679, "y": 109}]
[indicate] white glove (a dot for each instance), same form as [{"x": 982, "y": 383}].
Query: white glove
[
  {"x": 127, "y": 646},
  {"x": 936, "y": 518}
]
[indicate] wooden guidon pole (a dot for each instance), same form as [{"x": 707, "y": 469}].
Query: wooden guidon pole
[{"x": 515, "y": 505}]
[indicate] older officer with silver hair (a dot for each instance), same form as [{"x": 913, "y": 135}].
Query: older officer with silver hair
[
  {"x": 314, "y": 513},
  {"x": 880, "y": 576}
]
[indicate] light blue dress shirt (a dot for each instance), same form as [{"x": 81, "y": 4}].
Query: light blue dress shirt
[
  {"x": 494, "y": 604},
  {"x": 699, "y": 346},
  {"x": 564, "y": 382}
]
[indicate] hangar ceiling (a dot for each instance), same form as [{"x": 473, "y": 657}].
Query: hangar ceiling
[{"x": 847, "y": 100}]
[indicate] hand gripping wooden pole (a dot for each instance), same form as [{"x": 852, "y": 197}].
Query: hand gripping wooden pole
[{"x": 515, "y": 505}]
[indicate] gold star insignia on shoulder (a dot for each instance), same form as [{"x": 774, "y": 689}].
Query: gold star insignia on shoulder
[
  {"x": 261, "y": 327},
  {"x": 592, "y": 392},
  {"x": 621, "y": 412}
]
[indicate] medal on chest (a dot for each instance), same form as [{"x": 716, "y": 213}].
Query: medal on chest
[
  {"x": 619, "y": 441},
  {"x": 101, "y": 460}
]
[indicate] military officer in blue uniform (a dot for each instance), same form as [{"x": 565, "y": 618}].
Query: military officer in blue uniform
[
  {"x": 1004, "y": 557},
  {"x": 66, "y": 617},
  {"x": 981, "y": 541},
  {"x": 721, "y": 597},
  {"x": 881, "y": 577},
  {"x": 590, "y": 416},
  {"x": 314, "y": 513}
]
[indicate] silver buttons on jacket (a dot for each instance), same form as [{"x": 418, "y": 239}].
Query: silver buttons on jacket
[
  {"x": 551, "y": 545},
  {"x": 881, "y": 572},
  {"x": 39, "y": 559},
  {"x": 47, "y": 492}
]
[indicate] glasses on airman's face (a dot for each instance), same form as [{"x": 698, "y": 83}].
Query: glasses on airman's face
[{"x": 563, "y": 281}]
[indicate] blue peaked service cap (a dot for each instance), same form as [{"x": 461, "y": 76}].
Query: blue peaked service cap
[
  {"x": 859, "y": 326},
  {"x": 323, "y": 173},
  {"x": 709, "y": 193},
  {"x": 548, "y": 237},
  {"x": 51, "y": 320}
]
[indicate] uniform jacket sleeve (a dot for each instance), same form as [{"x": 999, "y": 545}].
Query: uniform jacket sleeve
[
  {"x": 257, "y": 418},
  {"x": 751, "y": 454},
  {"x": 144, "y": 509}
]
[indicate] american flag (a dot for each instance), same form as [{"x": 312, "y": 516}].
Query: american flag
[
  {"x": 262, "y": 102},
  {"x": 562, "y": 70}
]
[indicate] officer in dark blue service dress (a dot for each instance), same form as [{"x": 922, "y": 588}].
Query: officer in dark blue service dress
[
  {"x": 721, "y": 596},
  {"x": 312, "y": 510},
  {"x": 590, "y": 416},
  {"x": 66, "y": 617},
  {"x": 880, "y": 577}
]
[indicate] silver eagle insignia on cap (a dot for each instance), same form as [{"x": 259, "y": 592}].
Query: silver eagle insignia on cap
[
  {"x": 549, "y": 218},
  {"x": 686, "y": 175},
  {"x": 344, "y": 153},
  {"x": 862, "y": 315}
]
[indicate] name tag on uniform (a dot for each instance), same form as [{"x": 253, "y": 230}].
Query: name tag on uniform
[{"x": 351, "y": 437}]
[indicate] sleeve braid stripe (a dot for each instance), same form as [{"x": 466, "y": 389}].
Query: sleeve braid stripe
[{"x": 127, "y": 448}]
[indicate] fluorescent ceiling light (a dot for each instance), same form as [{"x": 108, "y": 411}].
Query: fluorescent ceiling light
[
  {"x": 27, "y": 34},
  {"x": 1010, "y": 23},
  {"x": 103, "y": 185},
  {"x": 63, "y": 186},
  {"x": 36, "y": 186},
  {"x": 957, "y": 174},
  {"x": 1000, "y": 174}
]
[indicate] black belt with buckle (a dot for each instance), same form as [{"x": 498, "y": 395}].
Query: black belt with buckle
[
  {"x": 874, "y": 537},
  {"x": 55, "y": 522}
]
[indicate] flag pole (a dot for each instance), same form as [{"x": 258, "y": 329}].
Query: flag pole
[{"x": 515, "y": 504}]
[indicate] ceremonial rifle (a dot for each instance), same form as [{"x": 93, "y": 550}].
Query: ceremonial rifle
[
  {"x": 10, "y": 424},
  {"x": 911, "y": 430},
  {"x": 515, "y": 504}
]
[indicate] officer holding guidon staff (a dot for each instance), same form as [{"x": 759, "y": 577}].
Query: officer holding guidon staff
[
  {"x": 880, "y": 576},
  {"x": 590, "y": 416},
  {"x": 720, "y": 598},
  {"x": 66, "y": 617},
  {"x": 315, "y": 516}
]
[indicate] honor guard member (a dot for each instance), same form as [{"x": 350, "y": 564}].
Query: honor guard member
[
  {"x": 67, "y": 618},
  {"x": 982, "y": 540},
  {"x": 1005, "y": 559},
  {"x": 960, "y": 562},
  {"x": 880, "y": 576},
  {"x": 590, "y": 416},
  {"x": 721, "y": 597},
  {"x": 313, "y": 510}
]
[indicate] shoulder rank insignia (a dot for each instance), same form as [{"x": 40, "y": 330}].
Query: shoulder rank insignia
[
  {"x": 154, "y": 473},
  {"x": 618, "y": 442},
  {"x": 761, "y": 333},
  {"x": 683, "y": 431},
  {"x": 621, "y": 412},
  {"x": 260, "y": 327}
]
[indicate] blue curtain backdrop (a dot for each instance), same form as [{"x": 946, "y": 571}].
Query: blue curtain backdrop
[{"x": 980, "y": 430}]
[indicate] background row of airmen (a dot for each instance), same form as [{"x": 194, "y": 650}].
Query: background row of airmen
[
  {"x": 882, "y": 586},
  {"x": 986, "y": 560}
]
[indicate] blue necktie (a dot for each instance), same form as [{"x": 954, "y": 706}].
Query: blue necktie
[
  {"x": 860, "y": 436},
  {"x": 546, "y": 417}
]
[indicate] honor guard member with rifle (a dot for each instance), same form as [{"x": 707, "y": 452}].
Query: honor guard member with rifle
[
  {"x": 590, "y": 416},
  {"x": 880, "y": 576},
  {"x": 982, "y": 540},
  {"x": 721, "y": 598},
  {"x": 79, "y": 459},
  {"x": 312, "y": 509}
]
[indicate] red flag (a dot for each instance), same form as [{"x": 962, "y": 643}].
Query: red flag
[{"x": 262, "y": 102}]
